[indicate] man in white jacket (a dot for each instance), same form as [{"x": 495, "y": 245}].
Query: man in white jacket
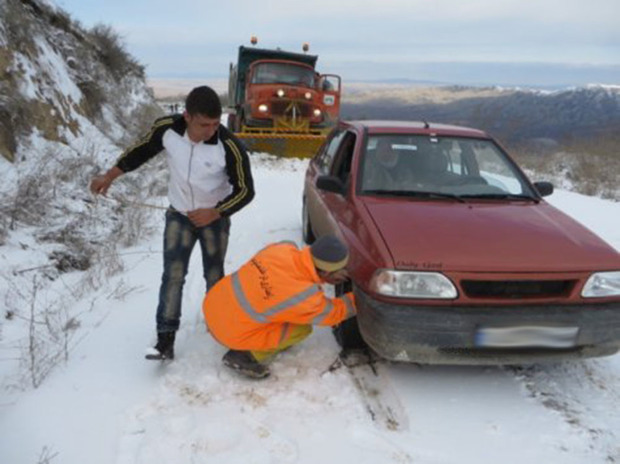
[{"x": 210, "y": 179}]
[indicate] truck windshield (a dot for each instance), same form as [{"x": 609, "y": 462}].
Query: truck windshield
[{"x": 282, "y": 73}]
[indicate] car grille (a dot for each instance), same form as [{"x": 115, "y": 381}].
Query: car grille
[
  {"x": 512, "y": 289},
  {"x": 279, "y": 108}
]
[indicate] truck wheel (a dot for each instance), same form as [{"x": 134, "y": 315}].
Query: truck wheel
[
  {"x": 347, "y": 333},
  {"x": 230, "y": 122},
  {"x": 238, "y": 124},
  {"x": 306, "y": 226}
]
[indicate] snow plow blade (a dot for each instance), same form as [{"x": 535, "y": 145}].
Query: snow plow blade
[{"x": 283, "y": 145}]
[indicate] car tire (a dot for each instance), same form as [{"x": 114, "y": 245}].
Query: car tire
[
  {"x": 348, "y": 336},
  {"x": 306, "y": 226},
  {"x": 347, "y": 333}
]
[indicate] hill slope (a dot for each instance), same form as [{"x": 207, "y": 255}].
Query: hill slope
[{"x": 515, "y": 116}]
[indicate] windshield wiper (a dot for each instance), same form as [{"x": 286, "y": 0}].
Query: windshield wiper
[
  {"x": 417, "y": 194},
  {"x": 504, "y": 196}
]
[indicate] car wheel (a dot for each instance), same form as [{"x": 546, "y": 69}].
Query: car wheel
[
  {"x": 347, "y": 333},
  {"x": 306, "y": 226},
  {"x": 348, "y": 336}
]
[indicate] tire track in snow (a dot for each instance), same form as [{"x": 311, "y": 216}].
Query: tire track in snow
[{"x": 584, "y": 394}]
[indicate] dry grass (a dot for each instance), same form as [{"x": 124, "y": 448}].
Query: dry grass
[
  {"x": 112, "y": 52},
  {"x": 588, "y": 167}
]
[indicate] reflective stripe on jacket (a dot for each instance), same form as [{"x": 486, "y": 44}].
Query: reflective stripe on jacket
[{"x": 254, "y": 308}]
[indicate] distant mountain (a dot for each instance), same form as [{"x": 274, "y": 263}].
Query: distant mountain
[{"x": 513, "y": 115}]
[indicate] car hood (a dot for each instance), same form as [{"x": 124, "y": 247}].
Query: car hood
[{"x": 487, "y": 237}]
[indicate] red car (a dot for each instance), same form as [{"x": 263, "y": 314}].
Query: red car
[{"x": 455, "y": 256}]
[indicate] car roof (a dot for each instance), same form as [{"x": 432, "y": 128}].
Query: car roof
[{"x": 414, "y": 127}]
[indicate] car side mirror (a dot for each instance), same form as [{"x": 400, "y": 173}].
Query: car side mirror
[
  {"x": 330, "y": 184},
  {"x": 544, "y": 188}
]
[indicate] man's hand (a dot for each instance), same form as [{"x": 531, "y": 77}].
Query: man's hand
[
  {"x": 203, "y": 217},
  {"x": 101, "y": 184},
  {"x": 335, "y": 277}
]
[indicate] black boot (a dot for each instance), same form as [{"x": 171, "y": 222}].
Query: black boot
[
  {"x": 245, "y": 363},
  {"x": 164, "y": 349}
]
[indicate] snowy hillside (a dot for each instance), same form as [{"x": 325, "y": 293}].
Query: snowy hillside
[
  {"x": 70, "y": 98},
  {"x": 106, "y": 404},
  {"x": 61, "y": 82}
]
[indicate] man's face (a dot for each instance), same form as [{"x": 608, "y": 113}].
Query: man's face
[
  {"x": 200, "y": 127},
  {"x": 386, "y": 156}
]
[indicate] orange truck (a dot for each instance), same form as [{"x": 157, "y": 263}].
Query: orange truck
[{"x": 279, "y": 103}]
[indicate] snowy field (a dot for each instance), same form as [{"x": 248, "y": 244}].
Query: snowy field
[{"x": 107, "y": 405}]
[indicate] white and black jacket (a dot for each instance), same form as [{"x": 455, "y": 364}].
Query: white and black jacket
[{"x": 214, "y": 173}]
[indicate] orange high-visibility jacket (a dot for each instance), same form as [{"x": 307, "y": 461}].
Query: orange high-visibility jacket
[{"x": 255, "y": 307}]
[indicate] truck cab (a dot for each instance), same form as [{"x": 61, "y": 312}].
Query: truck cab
[{"x": 280, "y": 92}]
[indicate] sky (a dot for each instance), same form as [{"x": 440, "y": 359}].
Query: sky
[{"x": 477, "y": 42}]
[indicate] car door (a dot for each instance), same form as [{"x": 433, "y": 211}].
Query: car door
[{"x": 329, "y": 210}]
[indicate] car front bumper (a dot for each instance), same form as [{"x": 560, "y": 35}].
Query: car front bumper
[{"x": 452, "y": 334}]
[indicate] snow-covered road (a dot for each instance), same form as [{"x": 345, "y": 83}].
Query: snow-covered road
[{"x": 107, "y": 405}]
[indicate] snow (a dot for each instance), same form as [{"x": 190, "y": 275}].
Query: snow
[{"x": 107, "y": 405}]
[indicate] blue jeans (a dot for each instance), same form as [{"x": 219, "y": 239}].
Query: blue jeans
[{"x": 180, "y": 236}]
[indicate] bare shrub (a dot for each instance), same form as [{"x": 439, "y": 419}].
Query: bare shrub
[
  {"x": 20, "y": 30},
  {"x": 50, "y": 331},
  {"x": 16, "y": 118},
  {"x": 106, "y": 264},
  {"x": 94, "y": 98},
  {"x": 141, "y": 121},
  {"x": 121, "y": 291},
  {"x": 46, "y": 455},
  {"x": 587, "y": 169},
  {"x": 112, "y": 52},
  {"x": 8, "y": 137},
  {"x": 31, "y": 198}
]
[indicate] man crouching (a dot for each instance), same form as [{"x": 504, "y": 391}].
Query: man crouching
[{"x": 273, "y": 300}]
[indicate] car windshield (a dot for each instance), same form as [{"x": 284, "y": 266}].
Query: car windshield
[
  {"x": 282, "y": 73},
  {"x": 453, "y": 166}
]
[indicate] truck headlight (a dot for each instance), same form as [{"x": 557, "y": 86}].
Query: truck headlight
[
  {"x": 317, "y": 112},
  {"x": 280, "y": 93},
  {"x": 262, "y": 108},
  {"x": 411, "y": 284},
  {"x": 602, "y": 284},
  {"x": 308, "y": 95}
]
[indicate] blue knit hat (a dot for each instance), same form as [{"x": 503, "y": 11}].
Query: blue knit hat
[{"x": 329, "y": 254}]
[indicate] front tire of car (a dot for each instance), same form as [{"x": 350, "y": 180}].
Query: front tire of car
[
  {"x": 306, "y": 226},
  {"x": 347, "y": 333}
]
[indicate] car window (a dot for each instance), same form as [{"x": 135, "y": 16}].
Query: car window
[
  {"x": 341, "y": 166},
  {"x": 325, "y": 160},
  {"x": 450, "y": 165}
]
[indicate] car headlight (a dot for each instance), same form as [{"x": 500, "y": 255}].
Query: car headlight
[
  {"x": 262, "y": 108},
  {"x": 602, "y": 284},
  {"x": 410, "y": 284}
]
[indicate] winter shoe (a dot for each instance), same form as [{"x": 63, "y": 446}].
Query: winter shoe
[
  {"x": 164, "y": 349},
  {"x": 244, "y": 363}
]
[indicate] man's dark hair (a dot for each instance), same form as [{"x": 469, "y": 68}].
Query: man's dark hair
[{"x": 203, "y": 100}]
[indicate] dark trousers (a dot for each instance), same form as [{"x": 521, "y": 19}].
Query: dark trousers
[{"x": 180, "y": 236}]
